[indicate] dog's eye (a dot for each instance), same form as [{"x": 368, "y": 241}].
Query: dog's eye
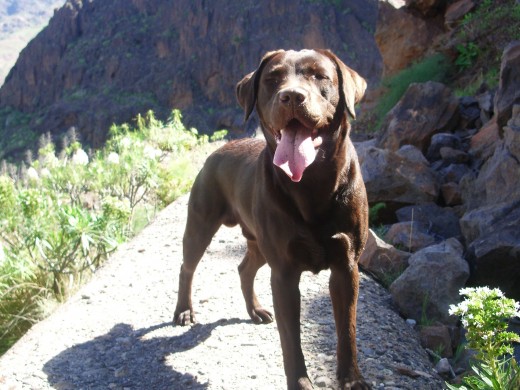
[{"x": 319, "y": 76}]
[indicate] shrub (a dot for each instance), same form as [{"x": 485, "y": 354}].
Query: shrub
[
  {"x": 485, "y": 314},
  {"x": 64, "y": 215}
]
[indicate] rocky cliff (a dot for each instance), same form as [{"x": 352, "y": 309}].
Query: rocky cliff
[{"x": 102, "y": 62}]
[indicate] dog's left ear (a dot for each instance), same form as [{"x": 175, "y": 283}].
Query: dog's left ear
[
  {"x": 247, "y": 88},
  {"x": 351, "y": 84}
]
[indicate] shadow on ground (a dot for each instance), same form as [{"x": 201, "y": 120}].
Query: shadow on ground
[{"x": 125, "y": 357}]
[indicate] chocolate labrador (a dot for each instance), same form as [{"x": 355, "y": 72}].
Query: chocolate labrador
[{"x": 299, "y": 198}]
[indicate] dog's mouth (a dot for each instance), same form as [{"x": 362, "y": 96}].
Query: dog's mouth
[{"x": 296, "y": 148}]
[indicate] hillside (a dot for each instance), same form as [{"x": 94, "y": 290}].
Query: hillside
[
  {"x": 103, "y": 62},
  {"x": 20, "y": 21}
]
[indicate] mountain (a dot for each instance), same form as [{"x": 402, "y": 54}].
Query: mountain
[
  {"x": 20, "y": 21},
  {"x": 100, "y": 62}
]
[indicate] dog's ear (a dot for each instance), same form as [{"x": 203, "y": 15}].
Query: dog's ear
[
  {"x": 351, "y": 85},
  {"x": 247, "y": 88}
]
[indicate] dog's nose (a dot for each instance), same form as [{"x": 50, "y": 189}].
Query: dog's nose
[{"x": 292, "y": 96}]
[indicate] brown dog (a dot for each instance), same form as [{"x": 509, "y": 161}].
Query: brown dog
[{"x": 299, "y": 198}]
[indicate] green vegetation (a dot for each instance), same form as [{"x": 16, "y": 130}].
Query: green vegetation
[
  {"x": 484, "y": 314},
  {"x": 62, "y": 215},
  {"x": 480, "y": 39},
  {"x": 434, "y": 68}
]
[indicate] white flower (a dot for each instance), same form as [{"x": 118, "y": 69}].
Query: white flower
[
  {"x": 45, "y": 172},
  {"x": 125, "y": 142},
  {"x": 150, "y": 152},
  {"x": 113, "y": 158},
  {"x": 80, "y": 157},
  {"x": 32, "y": 174}
]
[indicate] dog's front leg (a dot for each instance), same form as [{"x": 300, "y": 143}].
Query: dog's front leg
[
  {"x": 344, "y": 287},
  {"x": 286, "y": 301}
]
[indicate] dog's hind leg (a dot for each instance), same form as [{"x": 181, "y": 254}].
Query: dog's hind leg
[
  {"x": 247, "y": 269},
  {"x": 201, "y": 226}
]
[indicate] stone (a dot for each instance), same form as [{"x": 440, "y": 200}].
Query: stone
[
  {"x": 431, "y": 283},
  {"x": 453, "y": 173},
  {"x": 402, "y": 37},
  {"x": 382, "y": 259},
  {"x": 443, "y": 367},
  {"x": 508, "y": 93},
  {"x": 410, "y": 235},
  {"x": 424, "y": 110},
  {"x": 437, "y": 338},
  {"x": 493, "y": 237},
  {"x": 482, "y": 144},
  {"x": 442, "y": 222},
  {"x": 453, "y": 156},
  {"x": 456, "y": 11},
  {"x": 390, "y": 177},
  {"x": 439, "y": 141},
  {"x": 451, "y": 194}
]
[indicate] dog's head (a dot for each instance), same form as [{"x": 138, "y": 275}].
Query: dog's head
[{"x": 301, "y": 98}]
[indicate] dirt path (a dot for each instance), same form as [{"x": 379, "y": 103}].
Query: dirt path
[{"x": 115, "y": 333}]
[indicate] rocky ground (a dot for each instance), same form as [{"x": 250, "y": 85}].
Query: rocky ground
[{"x": 115, "y": 333}]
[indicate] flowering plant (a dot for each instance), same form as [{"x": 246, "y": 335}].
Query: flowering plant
[{"x": 485, "y": 314}]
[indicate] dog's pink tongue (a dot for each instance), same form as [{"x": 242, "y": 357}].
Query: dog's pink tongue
[{"x": 295, "y": 151}]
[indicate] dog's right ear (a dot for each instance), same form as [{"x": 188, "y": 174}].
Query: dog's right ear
[{"x": 247, "y": 88}]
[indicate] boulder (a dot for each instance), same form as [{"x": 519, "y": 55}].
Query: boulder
[
  {"x": 402, "y": 37},
  {"x": 410, "y": 235},
  {"x": 441, "y": 140},
  {"x": 424, "y": 110},
  {"x": 456, "y": 11},
  {"x": 442, "y": 222},
  {"x": 381, "y": 259},
  {"x": 493, "y": 237},
  {"x": 390, "y": 177},
  {"x": 437, "y": 338},
  {"x": 483, "y": 143},
  {"x": 451, "y": 194},
  {"x": 499, "y": 178},
  {"x": 431, "y": 283},
  {"x": 508, "y": 93}
]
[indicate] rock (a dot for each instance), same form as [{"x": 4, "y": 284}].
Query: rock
[
  {"x": 453, "y": 156},
  {"x": 390, "y": 177},
  {"x": 442, "y": 222},
  {"x": 437, "y": 338},
  {"x": 382, "y": 259},
  {"x": 453, "y": 172},
  {"x": 410, "y": 235},
  {"x": 439, "y": 141},
  {"x": 482, "y": 144},
  {"x": 424, "y": 110},
  {"x": 443, "y": 367},
  {"x": 508, "y": 93},
  {"x": 493, "y": 239},
  {"x": 499, "y": 178},
  {"x": 427, "y": 7},
  {"x": 456, "y": 11},
  {"x": 451, "y": 194},
  {"x": 402, "y": 37},
  {"x": 485, "y": 103},
  {"x": 431, "y": 283}
]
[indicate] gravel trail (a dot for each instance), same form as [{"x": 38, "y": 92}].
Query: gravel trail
[{"x": 116, "y": 332}]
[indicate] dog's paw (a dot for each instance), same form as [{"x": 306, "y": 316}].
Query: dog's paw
[
  {"x": 356, "y": 384},
  {"x": 184, "y": 317},
  {"x": 261, "y": 316}
]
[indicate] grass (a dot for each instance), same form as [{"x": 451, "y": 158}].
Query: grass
[{"x": 434, "y": 68}]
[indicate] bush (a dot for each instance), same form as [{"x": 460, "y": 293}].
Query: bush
[
  {"x": 63, "y": 216},
  {"x": 485, "y": 314}
]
